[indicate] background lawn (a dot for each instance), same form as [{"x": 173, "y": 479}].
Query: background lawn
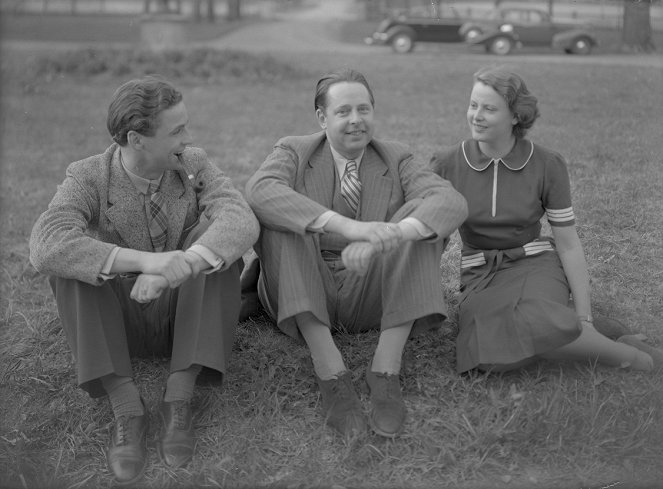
[{"x": 550, "y": 426}]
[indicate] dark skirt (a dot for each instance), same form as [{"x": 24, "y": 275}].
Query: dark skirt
[{"x": 513, "y": 308}]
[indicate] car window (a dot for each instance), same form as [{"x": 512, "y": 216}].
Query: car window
[
  {"x": 512, "y": 16},
  {"x": 431, "y": 11},
  {"x": 535, "y": 18}
]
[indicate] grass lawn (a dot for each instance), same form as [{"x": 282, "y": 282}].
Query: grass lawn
[{"x": 550, "y": 426}]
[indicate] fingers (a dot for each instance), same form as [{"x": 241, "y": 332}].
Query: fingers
[
  {"x": 178, "y": 272},
  {"x": 196, "y": 262},
  {"x": 386, "y": 237},
  {"x": 172, "y": 265},
  {"x": 148, "y": 287},
  {"x": 357, "y": 256}
]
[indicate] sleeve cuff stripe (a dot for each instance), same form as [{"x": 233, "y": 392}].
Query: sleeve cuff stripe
[{"x": 560, "y": 215}]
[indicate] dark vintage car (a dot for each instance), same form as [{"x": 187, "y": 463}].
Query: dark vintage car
[
  {"x": 508, "y": 28},
  {"x": 403, "y": 31}
]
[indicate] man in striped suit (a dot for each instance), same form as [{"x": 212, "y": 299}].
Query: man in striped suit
[{"x": 353, "y": 229}]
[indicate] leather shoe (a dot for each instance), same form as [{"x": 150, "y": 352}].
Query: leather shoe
[
  {"x": 610, "y": 328},
  {"x": 341, "y": 405},
  {"x": 177, "y": 439},
  {"x": 127, "y": 452},
  {"x": 387, "y": 407}
]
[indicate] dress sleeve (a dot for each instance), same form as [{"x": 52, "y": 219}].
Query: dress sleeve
[
  {"x": 442, "y": 163},
  {"x": 557, "y": 192}
]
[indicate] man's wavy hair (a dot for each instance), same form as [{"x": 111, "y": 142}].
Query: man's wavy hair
[
  {"x": 521, "y": 103},
  {"x": 136, "y": 105}
]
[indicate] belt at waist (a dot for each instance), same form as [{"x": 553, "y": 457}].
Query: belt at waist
[{"x": 473, "y": 258}]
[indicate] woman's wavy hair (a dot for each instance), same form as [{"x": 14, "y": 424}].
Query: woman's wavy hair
[
  {"x": 136, "y": 105},
  {"x": 521, "y": 103}
]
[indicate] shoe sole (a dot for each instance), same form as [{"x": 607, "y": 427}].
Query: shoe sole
[
  {"x": 131, "y": 481},
  {"x": 163, "y": 459},
  {"x": 378, "y": 431}
]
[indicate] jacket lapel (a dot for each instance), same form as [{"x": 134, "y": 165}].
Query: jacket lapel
[
  {"x": 126, "y": 208},
  {"x": 319, "y": 176},
  {"x": 376, "y": 187}
]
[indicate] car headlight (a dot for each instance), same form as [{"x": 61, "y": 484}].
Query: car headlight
[{"x": 506, "y": 28}]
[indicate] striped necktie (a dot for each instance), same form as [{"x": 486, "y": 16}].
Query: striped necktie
[
  {"x": 157, "y": 219},
  {"x": 351, "y": 186}
]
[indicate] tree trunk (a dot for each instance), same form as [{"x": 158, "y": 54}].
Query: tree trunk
[
  {"x": 234, "y": 11},
  {"x": 436, "y": 6},
  {"x": 210, "y": 10},
  {"x": 636, "y": 31},
  {"x": 196, "y": 10}
]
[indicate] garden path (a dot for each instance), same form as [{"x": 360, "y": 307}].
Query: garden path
[{"x": 313, "y": 28}]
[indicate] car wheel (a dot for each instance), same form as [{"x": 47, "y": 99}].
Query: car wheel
[
  {"x": 402, "y": 43},
  {"x": 581, "y": 45},
  {"x": 472, "y": 34},
  {"x": 501, "y": 45}
]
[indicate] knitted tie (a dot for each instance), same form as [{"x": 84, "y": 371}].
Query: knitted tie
[
  {"x": 156, "y": 217},
  {"x": 351, "y": 186}
]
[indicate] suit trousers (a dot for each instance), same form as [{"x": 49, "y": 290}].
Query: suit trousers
[
  {"x": 192, "y": 324},
  {"x": 400, "y": 287}
]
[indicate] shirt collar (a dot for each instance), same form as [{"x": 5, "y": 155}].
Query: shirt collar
[
  {"x": 516, "y": 160},
  {"x": 141, "y": 184},
  {"x": 341, "y": 161}
]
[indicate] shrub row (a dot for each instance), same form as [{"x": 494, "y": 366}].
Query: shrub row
[{"x": 201, "y": 64}]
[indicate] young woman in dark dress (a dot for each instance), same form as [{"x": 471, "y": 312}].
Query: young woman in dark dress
[{"x": 516, "y": 284}]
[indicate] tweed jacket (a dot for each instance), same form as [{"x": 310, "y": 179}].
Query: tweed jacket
[
  {"x": 97, "y": 207},
  {"x": 295, "y": 185}
]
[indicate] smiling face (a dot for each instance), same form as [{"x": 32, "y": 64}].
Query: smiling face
[
  {"x": 159, "y": 151},
  {"x": 489, "y": 117},
  {"x": 347, "y": 118}
]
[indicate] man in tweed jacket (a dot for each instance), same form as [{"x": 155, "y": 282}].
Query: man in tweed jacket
[
  {"x": 119, "y": 294},
  {"x": 326, "y": 264}
]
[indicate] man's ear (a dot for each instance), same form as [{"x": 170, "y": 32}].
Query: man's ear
[
  {"x": 135, "y": 140},
  {"x": 322, "y": 118}
]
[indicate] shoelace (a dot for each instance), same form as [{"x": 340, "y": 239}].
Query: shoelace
[
  {"x": 343, "y": 388},
  {"x": 123, "y": 431},
  {"x": 179, "y": 416},
  {"x": 391, "y": 387}
]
